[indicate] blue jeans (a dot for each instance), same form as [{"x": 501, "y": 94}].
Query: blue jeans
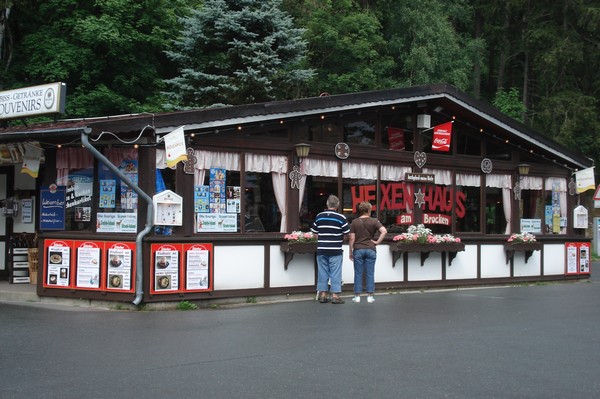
[
  {"x": 329, "y": 269},
  {"x": 364, "y": 262}
]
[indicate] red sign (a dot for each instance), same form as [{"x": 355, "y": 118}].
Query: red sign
[
  {"x": 396, "y": 138},
  {"x": 442, "y": 134}
]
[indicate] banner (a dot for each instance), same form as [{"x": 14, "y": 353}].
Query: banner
[
  {"x": 396, "y": 138},
  {"x": 175, "y": 147},
  {"x": 584, "y": 180},
  {"x": 31, "y": 160},
  {"x": 442, "y": 134}
]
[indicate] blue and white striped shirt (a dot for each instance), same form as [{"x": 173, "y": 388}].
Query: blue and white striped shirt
[{"x": 331, "y": 227}]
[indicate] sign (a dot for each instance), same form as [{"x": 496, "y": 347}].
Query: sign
[
  {"x": 198, "y": 267},
  {"x": 584, "y": 180},
  {"x": 597, "y": 198},
  {"x": 52, "y": 208},
  {"x": 420, "y": 177},
  {"x": 87, "y": 261},
  {"x": 120, "y": 266},
  {"x": 442, "y": 134},
  {"x": 175, "y": 147},
  {"x": 165, "y": 268},
  {"x": 35, "y": 100},
  {"x": 116, "y": 222},
  {"x": 216, "y": 222},
  {"x": 577, "y": 258},
  {"x": 57, "y": 264},
  {"x": 531, "y": 225}
]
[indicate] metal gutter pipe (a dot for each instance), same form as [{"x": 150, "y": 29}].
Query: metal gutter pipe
[{"x": 139, "y": 278}]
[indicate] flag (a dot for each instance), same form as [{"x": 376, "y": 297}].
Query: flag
[
  {"x": 175, "y": 147},
  {"x": 396, "y": 138},
  {"x": 442, "y": 134},
  {"x": 31, "y": 160},
  {"x": 584, "y": 180}
]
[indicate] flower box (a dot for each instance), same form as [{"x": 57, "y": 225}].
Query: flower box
[
  {"x": 289, "y": 248},
  {"x": 527, "y": 247},
  {"x": 451, "y": 248}
]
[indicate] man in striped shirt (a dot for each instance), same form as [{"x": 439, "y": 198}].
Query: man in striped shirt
[{"x": 331, "y": 227}]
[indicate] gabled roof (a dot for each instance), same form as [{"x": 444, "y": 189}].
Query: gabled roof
[{"x": 446, "y": 96}]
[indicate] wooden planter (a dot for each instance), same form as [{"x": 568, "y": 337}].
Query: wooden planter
[
  {"x": 425, "y": 249},
  {"x": 527, "y": 247},
  {"x": 291, "y": 248}
]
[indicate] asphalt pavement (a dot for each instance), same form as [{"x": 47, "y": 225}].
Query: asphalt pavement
[{"x": 534, "y": 341}]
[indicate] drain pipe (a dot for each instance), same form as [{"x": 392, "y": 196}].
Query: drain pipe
[{"x": 139, "y": 278}]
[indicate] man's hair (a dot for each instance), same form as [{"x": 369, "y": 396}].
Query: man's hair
[
  {"x": 333, "y": 202},
  {"x": 364, "y": 208}
]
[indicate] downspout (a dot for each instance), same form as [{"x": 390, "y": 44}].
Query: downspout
[{"x": 139, "y": 278}]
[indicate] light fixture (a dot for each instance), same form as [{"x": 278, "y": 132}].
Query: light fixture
[
  {"x": 523, "y": 170},
  {"x": 302, "y": 150}
]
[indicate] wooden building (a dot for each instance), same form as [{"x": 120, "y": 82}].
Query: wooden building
[{"x": 129, "y": 228}]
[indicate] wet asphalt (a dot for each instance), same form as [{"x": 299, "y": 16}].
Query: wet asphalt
[{"x": 537, "y": 341}]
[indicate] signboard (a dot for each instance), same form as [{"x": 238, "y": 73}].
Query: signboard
[
  {"x": 52, "y": 208},
  {"x": 33, "y": 101},
  {"x": 87, "y": 261},
  {"x": 577, "y": 258},
  {"x": 198, "y": 267},
  {"x": 120, "y": 266},
  {"x": 57, "y": 264},
  {"x": 165, "y": 268}
]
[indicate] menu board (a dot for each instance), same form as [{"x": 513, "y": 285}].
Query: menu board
[
  {"x": 197, "y": 267},
  {"x": 88, "y": 265},
  {"x": 165, "y": 268},
  {"x": 119, "y": 259},
  {"x": 58, "y": 264},
  {"x": 52, "y": 208}
]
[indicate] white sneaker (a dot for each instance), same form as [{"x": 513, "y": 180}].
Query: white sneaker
[
  {"x": 370, "y": 299},
  {"x": 356, "y": 299}
]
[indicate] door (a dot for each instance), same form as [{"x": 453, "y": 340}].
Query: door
[{"x": 6, "y": 223}]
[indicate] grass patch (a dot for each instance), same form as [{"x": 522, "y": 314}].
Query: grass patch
[{"x": 186, "y": 305}]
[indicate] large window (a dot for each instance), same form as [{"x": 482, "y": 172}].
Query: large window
[
  {"x": 498, "y": 199},
  {"x": 467, "y": 210},
  {"x": 531, "y": 206},
  {"x": 397, "y": 132}
]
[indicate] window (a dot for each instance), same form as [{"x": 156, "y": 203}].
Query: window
[
  {"x": 531, "y": 206},
  {"x": 262, "y": 212},
  {"x": 360, "y": 132},
  {"x": 314, "y": 200},
  {"x": 498, "y": 200},
  {"x": 396, "y": 132},
  {"x": 467, "y": 211}
]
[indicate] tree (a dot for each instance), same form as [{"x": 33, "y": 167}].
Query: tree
[
  {"x": 347, "y": 48},
  {"x": 108, "y": 52},
  {"x": 237, "y": 52}
]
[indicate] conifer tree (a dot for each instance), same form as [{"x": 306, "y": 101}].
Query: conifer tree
[{"x": 237, "y": 52}]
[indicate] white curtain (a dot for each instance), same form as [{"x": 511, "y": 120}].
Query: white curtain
[
  {"x": 352, "y": 170},
  {"x": 279, "y": 187},
  {"x": 504, "y": 182},
  {"x": 69, "y": 159},
  {"x": 320, "y": 167},
  {"x": 464, "y": 179},
  {"x": 560, "y": 185},
  {"x": 441, "y": 176},
  {"x": 394, "y": 173}
]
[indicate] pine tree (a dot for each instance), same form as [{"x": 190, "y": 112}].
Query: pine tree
[{"x": 236, "y": 52}]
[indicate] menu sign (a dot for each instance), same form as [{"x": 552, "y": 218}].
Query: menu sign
[
  {"x": 197, "y": 267},
  {"x": 88, "y": 265},
  {"x": 52, "y": 208},
  {"x": 58, "y": 264},
  {"x": 166, "y": 268},
  {"x": 120, "y": 262}
]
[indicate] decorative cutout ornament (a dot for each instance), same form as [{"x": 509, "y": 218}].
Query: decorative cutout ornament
[
  {"x": 419, "y": 198},
  {"x": 295, "y": 176},
  {"x": 572, "y": 186},
  {"x": 188, "y": 166},
  {"x": 420, "y": 159},
  {"x": 486, "y": 165},
  {"x": 517, "y": 191},
  {"x": 342, "y": 150}
]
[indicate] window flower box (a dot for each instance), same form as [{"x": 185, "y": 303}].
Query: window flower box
[
  {"x": 290, "y": 248},
  {"x": 527, "y": 247},
  {"x": 452, "y": 248}
]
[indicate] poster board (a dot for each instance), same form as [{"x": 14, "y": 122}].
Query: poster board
[
  {"x": 180, "y": 268},
  {"x": 577, "y": 258}
]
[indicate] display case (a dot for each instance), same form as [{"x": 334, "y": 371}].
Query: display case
[{"x": 168, "y": 209}]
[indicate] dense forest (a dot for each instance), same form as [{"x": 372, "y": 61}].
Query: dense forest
[{"x": 538, "y": 62}]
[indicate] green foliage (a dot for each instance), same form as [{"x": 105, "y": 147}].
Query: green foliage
[
  {"x": 237, "y": 52},
  {"x": 186, "y": 305},
  {"x": 509, "y": 102}
]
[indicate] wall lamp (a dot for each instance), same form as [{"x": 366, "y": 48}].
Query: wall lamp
[
  {"x": 523, "y": 170},
  {"x": 302, "y": 151}
]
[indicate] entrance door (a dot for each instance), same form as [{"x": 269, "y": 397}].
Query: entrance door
[{"x": 6, "y": 223}]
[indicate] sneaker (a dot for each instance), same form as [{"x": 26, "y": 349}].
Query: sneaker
[
  {"x": 356, "y": 299},
  {"x": 370, "y": 299}
]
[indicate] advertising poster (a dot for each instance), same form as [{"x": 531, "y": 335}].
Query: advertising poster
[
  {"x": 88, "y": 264},
  {"x": 198, "y": 267},
  {"x": 217, "y": 190},
  {"x": 201, "y": 199},
  {"x": 108, "y": 190},
  {"x": 116, "y": 222},
  {"x": 52, "y": 208},
  {"x": 216, "y": 222},
  {"x": 234, "y": 196},
  {"x": 165, "y": 266},
  {"x": 578, "y": 258},
  {"x": 120, "y": 266},
  {"x": 57, "y": 261}
]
